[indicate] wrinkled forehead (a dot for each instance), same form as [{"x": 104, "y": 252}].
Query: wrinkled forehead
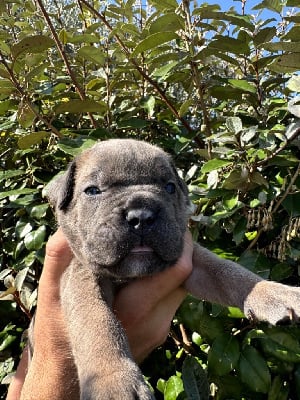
[{"x": 125, "y": 161}]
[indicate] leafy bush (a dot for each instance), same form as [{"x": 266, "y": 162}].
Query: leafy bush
[{"x": 219, "y": 91}]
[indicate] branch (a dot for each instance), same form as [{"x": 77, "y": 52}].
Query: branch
[
  {"x": 282, "y": 198},
  {"x": 62, "y": 52},
  {"x": 288, "y": 141},
  {"x": 135, "y": 63},
  {"x": 24, "y": 96}
]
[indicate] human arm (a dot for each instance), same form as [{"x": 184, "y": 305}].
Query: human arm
[{"x": 52, "y": 365}]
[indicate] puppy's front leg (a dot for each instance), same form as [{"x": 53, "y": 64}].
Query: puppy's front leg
[
  {"x": 225, "y": 282},
  {"x": 101, "y": 352}
]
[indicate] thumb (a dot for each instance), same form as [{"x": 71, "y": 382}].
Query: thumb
[{"x": 58, "y": 257}]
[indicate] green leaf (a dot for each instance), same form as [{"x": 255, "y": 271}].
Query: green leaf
[
  {"x": 16, "y": 192},
  {"x": 297, "y": 378},
  {"x": 234, "y": 124},
  {"x": 149, "y": 105},
  {"x": 286, "y": 63},
  {"x": 234, "y": 312},
  {"x": 39, "y": 211},
  {"x": 167, "y": 22},
  {"x": 34, "y": 240},
  {"x": 230, "y": 44},
  {"x": 84, "y": 38},
  {"x": 237, "y": 179},
  {"x": 152, "y": 41},
  {"x": 26, "y": 115},
  {"x": 74, "y": 147},
  {"x": 32, "y": 139},
  {"x": 163, "y": 72},
  {"x": 294, "y": 83},
  {"x": 273, "y": 5},
  {"x": 80, "y": 106},
  {"x": 23, "y": 228},
  {"x": 136, "y": 123},
  {"x": 281, "y": 271},
  {"x": 256, "y": 262},
  {"x": 253, "y": 370},
  {"x": 230, "y": 202},
  {"x": 223, "y": 354},
  {"x": 282, "y": 46},
  {"x": 239, "y": 230},
  {"x": 294, "y": 108},
  {"x": 184, "y": 108},
  {"x": 32, "y": 44},
  {"x": 5, "y": 175},
  {"x": 165, "y": 5},
  {"x": 281, "y": 345},
  {"x": 173, "y": 388},
  {"x": 214, "y": 164},
  {"x": 7, "y": 341},
  {"x": 20, "y": 278},
  {"x": 92, "y": 53},
  {"x": 292, "y": 204},
  {"x": 279, "y": 389},
  {"x": 264, "y": 35},
  {"x": 243, "y": 85},
  {"x": 194, "y": 378}
]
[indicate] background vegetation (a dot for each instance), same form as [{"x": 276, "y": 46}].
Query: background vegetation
[{"x": 219, "y": 91}]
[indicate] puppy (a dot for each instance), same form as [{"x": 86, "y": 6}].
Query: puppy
[{"x": 124, "y": 211}]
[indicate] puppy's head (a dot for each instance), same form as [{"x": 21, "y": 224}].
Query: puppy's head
[{"x": 123, "y": 208}]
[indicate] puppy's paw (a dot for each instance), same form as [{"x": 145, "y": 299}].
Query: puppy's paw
[
  {"x": 274, "y": 303},
  {"x": 125, "y": 383}
]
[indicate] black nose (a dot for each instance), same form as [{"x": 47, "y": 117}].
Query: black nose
[{"x": 140, "y": 219}]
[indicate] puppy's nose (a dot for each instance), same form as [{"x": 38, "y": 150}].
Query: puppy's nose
[{"x": 140, "y": 219}]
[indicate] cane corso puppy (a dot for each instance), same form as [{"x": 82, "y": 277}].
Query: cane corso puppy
[{"x": 124, "y": 211}]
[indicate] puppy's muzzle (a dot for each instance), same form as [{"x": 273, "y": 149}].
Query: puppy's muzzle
[{"x": 141, "y": 220}]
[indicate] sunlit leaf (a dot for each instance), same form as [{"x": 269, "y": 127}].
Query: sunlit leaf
[
  {"x": 214, "y": 164},
  {"x": 91, "y": 53},
  {"x": 35, "y": 239},
  {"x": 80, "y": 106},
  {"x": 32, "y": 139},
  {"x": 154, "y": 40},
  {"x": 32, "y": 44},
  {"x": 173, "y": 388}
]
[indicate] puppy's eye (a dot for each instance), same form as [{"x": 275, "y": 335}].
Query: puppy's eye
[
  {"x": 170, "y": 187},
  {"x": 92, "y": 191}
]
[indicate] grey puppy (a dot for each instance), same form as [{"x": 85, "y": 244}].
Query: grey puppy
[{"x": 124, "y": 211}]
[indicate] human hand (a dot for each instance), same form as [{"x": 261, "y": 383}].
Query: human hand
[
  {"x": 52, "y": 355},
  {"x": 147, "y": 306}
]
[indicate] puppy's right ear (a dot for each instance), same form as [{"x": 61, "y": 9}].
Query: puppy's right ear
[{"x": 61, "y": 189}]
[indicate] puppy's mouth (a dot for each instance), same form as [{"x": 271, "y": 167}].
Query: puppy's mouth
[{"x": 141, "y": 250}]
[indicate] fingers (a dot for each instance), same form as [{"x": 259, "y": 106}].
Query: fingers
[
  {"x": 15, "y": 388},
  {"x": 155, "y": 288},
  {"x": 146, "y": 306},
  {"x": 58, "y": 257}
]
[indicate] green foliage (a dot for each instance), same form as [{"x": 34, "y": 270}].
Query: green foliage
[{"x": 217, "y": 89}]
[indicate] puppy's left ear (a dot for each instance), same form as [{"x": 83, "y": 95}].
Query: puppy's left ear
[
  {"x": 60, "y": 190},
  {"x": 181, "y": 184}
]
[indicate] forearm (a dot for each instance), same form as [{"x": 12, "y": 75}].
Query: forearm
[
  {"x": 220, "y": 281},
  {"x": 49, "y": 379},
  {"x": 51, "y": 373}
]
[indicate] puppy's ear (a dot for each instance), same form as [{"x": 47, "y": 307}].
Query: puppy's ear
[
  {"x": 181, "y": 183},
  {"x": 61, "y": 189}
]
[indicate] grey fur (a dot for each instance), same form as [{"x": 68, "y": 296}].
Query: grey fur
[{"x": 115, "y": 197}]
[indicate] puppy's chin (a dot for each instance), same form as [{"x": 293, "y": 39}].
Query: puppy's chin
[{"x": 141, "y": 261}]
